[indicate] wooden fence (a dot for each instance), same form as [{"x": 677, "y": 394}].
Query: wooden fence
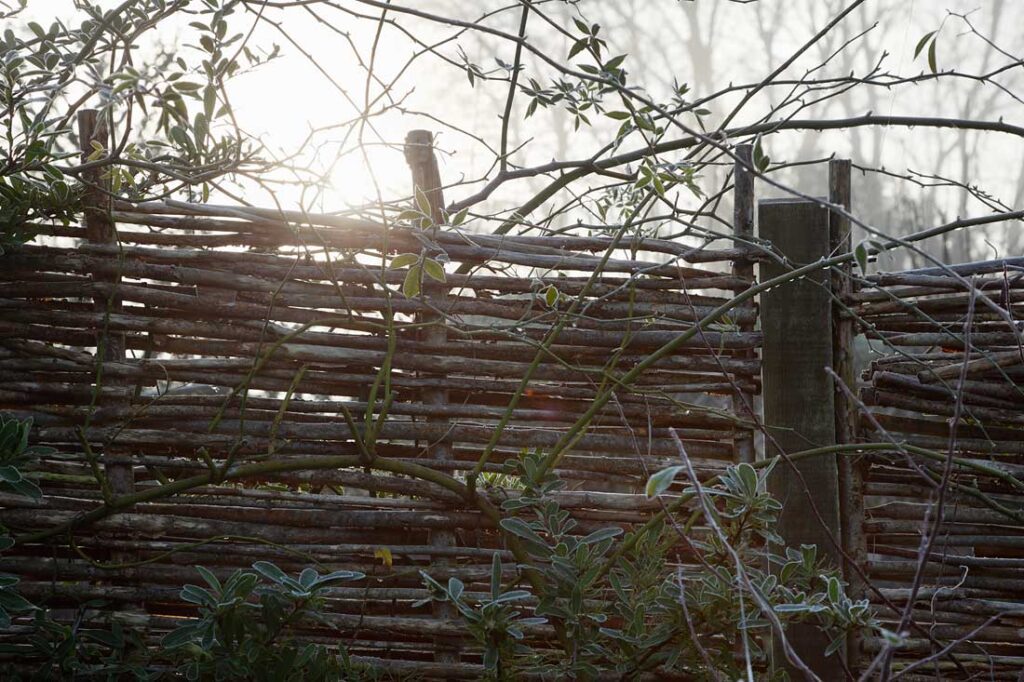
[
  {"x": 209, "y": 347},
  {"x": 962, "y": 512},
  {"x": 204, "y": 350}
]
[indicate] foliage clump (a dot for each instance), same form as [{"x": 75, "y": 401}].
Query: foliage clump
[{"x": 667, "y": 599}]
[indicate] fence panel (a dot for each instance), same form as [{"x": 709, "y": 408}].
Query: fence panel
[
  {"x": 268, "y": 351},
  {"x": 944, "y": 525}
]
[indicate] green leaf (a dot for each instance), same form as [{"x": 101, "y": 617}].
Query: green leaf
[
  {"x": 200, "y": 126},
  {"x": 423, "y": 202},
  {"x": 308, "y": 577},
  {"x": 922, "y": 42},
  {"x": 209, "y": 577},
  {"x": 27, "y": 488},
  {"x": 578, "y": 47},
  {"x": 512, "y": 595},
  {"x": 520, "y": 528},
  {"x": 614, "y": 63},
  {"x": 931, "y": 57},
  {"x": 270, "y": 571},
  {"x": 410, "y": 214},
  {"x": 403, "y": 260},
  {"x": 792, "y": 608},
  {"x": 455, "y": 588},
  {"x": 836, "y": 644},
  {"x": 835, "y": 590},
  {"x": 434, "y": 269},
  {"x": 658, "y": 186},
  {"x": 197, "y": 595},
  {"x": 12, "y": 601},
  {"x": 761, "y": 160},
  {"x": 495, "y": 575},
  {"x": 411, "y": 285},
  {"x": 748, "y": 475},
  {"x": 340, "y": 576},
  {"x": 659, "y": 482},
  {"x": 460, "y": 217},
  {"x": 551, "y": 296},
  {"x": 601, "y": 534},
  {"x": 9, "y": 474},
  {"x": 24, "y": 428},
  {"x": 860, "y": 254},
  {"x": 180, "y": 637}
]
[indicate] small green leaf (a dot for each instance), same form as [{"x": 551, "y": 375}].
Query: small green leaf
[
  {"x": 791, "y": 608},
  {"x": 660, "y": 482},
  {"x": 209, "y": 577},
  {"x": 410, "y": 214},
  {"x": 434, "y": 270},
  {"x": 403, "y": 260},
  {"x": 836, "y": 644},
  {"x": 12, "y": 601},
  {"x": 519, "y": 527},
  {"x": 551, "y": 296},
  {"x": 513, "y": 595},
  {"x": 9, "y": 474},
  {"x": 860, "y": 253},
  {"x": 197, "y": 595},
  {"x": 835, "y": 590},
  {"x": 931, "y": 57},
  {"x": 601, "y": 534},
  {"x": 180, "y": 637},
  {"x": 411, "y": 285},
  {"x": 748, "y": 475},
  {"x": 495, "y": 575},
  {"x": 460, "y": 217},
  {"x": 423, "y": 202},
  {"x": 761, "y": 160},
  {"x": 308, "y": 577},
  {"x": 578, "y": 47},
  {"x": 270, "y": 571},
  {"x": 922, "y": 42}
]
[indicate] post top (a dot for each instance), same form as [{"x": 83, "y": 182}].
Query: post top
[{"x": 419, "y": 147}]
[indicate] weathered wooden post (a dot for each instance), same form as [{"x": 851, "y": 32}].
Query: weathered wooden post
[
  {"x": 100, "y": 229},
  {"x": 743, "y": 227},
  {"x": 799, "y": 397},
  {"x": 419, "y": 154},
  {"x": 851, "y": 471}
]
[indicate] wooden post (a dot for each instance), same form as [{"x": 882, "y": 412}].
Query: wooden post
[
  {"x": 743, "y": 228},
  {"x": 100, "y": 229},
  {"x": 419, "y": 154},
  {"x": 799, "y": 413},
  {"x": 851, "y": 471}
]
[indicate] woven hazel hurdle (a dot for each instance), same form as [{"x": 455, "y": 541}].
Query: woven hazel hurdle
[
  {"x": 272, "y": 329},
  {"x": 970, "y": 594}
]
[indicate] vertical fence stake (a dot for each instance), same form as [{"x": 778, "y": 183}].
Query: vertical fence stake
[
  {"x": 796, "y": 318},
  {"x": 851, "y": 474},
  {"x": 100, "y": 229},
  {"x": 743, "y": 228},
  {"x": 419, "y": 154}
]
